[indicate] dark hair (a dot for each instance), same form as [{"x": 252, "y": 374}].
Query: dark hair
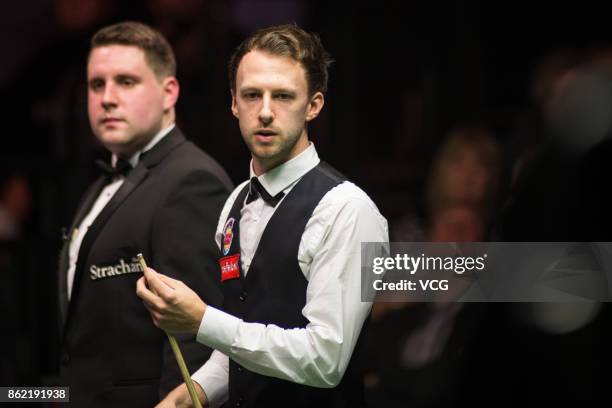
[
  {"x": 291, "y": 41},
  {"x": 158, "y": 53}
]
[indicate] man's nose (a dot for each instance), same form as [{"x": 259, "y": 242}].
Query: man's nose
[
  {"x": 266, "y": 114},
  {"x": 109, "y": 97}
]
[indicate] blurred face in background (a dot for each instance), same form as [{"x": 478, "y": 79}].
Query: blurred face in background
[
  {"x": 127, "y": 103},
  {"x": 16, "y": 197},
  {"x": 465, "y": 178}
]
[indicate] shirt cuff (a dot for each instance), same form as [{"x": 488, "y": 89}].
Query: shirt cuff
[
  {"x": 218, "y": 329},
  {"x": 213, "y": 379}
]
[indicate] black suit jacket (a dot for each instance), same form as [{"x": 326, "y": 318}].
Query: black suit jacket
[{"x": 167, "y": 208}]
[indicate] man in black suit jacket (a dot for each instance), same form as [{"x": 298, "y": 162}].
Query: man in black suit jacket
[{"x": 161, "y": 196}]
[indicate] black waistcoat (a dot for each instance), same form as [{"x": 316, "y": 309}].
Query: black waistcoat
[{"x": 274, "y": 292}]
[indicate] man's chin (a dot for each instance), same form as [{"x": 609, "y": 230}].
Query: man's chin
[
  {"x": 112, "y": 136},
  {"x": 265, "y": 152},
  {"x": 117, "y": 145}
]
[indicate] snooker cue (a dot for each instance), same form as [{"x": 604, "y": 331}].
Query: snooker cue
[{"x": 178, "y": 355}]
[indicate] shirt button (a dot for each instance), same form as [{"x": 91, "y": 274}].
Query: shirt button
[
  {"x": 239, "y": 402},
  {"x": 65, "y": 358},
  {"x": 243, "y": 296},
  {"x": 239, "y": 369}
]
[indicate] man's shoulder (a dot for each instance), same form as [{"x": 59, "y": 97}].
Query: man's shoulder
[
  {"x": 348, "y": 199},
  {"x": 189, "y": 158},
  {"x": 345, "y": 213},
  {"x": 347, "y": 193}
]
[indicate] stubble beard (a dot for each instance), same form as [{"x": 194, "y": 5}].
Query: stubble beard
[{"x": 270, "y": 156}]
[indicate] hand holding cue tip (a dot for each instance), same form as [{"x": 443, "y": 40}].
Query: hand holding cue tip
[{"x": 177, "y": 352}]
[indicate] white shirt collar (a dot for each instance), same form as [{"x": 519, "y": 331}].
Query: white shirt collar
[
  {"x": 283, "y": 176},
  {"x": 156, "y": 139}
]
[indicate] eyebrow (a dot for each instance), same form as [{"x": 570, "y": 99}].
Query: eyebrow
[
  {"x": 274, "y": 91},
  {"x": 249, "y": 89},
  {"x": 114, "y": 77},
  {"x": 124, "y": 76},
  {"x": 285, "y": 91}
]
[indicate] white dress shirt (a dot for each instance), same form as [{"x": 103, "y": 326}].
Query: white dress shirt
[
  {"x": 107, "y": 193},
  {"x": 329, "y": 257}
]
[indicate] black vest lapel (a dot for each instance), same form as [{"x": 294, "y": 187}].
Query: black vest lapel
[{"x": 234, "y": 245}]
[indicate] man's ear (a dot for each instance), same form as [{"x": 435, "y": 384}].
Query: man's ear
[
  {"x": 234, "y": 108},
  {"x": 171, "y": 92},
  {"x": 314, "y": 106}
]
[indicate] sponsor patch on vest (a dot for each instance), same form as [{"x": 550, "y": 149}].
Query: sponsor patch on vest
[
  {"x": 121, "y": 268},
  {"x": 228, "y": 235},
  {"x": 229, "y": 267}
]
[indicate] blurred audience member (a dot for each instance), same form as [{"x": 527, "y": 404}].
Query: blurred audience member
[
  {"x": 458, "y": 224},
  {"x": 416, "y": 348},
  {"x": 464, "y": 175},
  {"x": 15, "y": 206}
]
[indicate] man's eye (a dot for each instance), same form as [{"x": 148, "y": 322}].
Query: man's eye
[
  {"x": 96, "y": 85},
  {"x": 251, "y": 96},
  {"x": 128, "y": 82},
  {"x": 283, "y": 96}
]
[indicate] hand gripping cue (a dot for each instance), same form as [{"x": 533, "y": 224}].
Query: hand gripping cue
[{"x": 178, "y": 355}]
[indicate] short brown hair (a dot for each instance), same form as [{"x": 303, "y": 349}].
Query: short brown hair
[
  {"x": 291, "y": 41},
  {"x": 157, "y": 50}
]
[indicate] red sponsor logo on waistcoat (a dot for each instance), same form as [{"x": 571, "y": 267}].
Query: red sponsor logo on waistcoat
[{"x": 229, "y": 267}]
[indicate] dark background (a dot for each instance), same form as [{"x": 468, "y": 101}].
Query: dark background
[{"x": 406, "y": 72}]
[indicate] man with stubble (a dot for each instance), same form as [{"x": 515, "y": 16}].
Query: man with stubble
[{"x": 290, "y": 244}]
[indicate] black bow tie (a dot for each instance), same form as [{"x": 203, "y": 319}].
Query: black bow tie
[
  {"x": 122, "y": 167},
  {"x": 257, "y": 190}
]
